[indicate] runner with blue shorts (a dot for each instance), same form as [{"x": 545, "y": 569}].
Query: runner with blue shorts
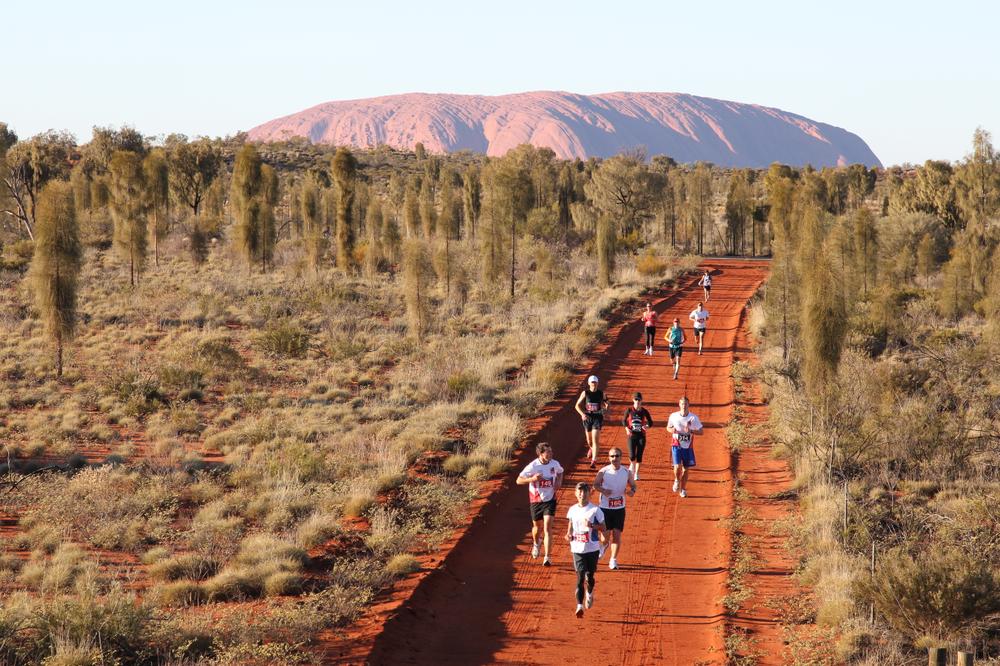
[{"x": 683, "y": 425}]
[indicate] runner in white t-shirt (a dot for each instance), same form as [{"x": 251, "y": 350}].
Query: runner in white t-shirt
[
  {"x": 614, "y": 482},
  {"x": 706, "y": 284},
  {"x": 682, "y": 426},
  {"x": 586, "y": 523},
  {"x": 543, "y": 476},
  {"x": 700, "y": 318}
]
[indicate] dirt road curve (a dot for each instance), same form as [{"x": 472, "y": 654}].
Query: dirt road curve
[{"x": 490, "y": 602}]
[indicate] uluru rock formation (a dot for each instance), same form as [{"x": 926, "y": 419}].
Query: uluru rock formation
[{"x": 685, "y": 127}]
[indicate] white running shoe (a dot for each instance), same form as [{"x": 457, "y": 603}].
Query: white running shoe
[
  {"x": 677, "y": 485},
  {"x": 636, "y": 476},
  {"x": 684, "y": 493},
  {"x": 589, "y": 601},
  {"x": 579, "y": 610},
  {"x": 613, "y": 564},
  {"x": 534, "y": 549},
  {"x": 650, "y": 351}
]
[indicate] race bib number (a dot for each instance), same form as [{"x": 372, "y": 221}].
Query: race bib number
[
  {"x": 593, "y": 407},
  {"x": 616, "y": 502},
  {"x": 684, "y": 438},
  {"x": 544, "y": 483},
  {"x": 582, "y": 537}
]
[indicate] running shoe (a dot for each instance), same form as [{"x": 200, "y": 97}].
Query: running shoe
[
  {"x": 589, "y": 601},
  {"x": 637, "y": 476},
  {"x": 684, "y": 493},
  {"x": 546, "y": 562},
  {"x": 677, "y": 485},
  {"x": 593, "y": 464},
  {"x": 579, "y": 610},
  {"x": 534, "y": 549},
  {"x": 613, "y": 564}
]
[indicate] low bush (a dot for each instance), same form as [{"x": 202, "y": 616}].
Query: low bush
[
  {"x": 180, "y": 593},
  {"x": 284, "y": 338},
  {"x": 402, "y": 564},
  {"x": 940, "y": 594}
]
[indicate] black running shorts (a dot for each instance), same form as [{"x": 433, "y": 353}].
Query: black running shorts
[
  {"x": 614, "y": 519},
  {"x": 540, "y": 509}
]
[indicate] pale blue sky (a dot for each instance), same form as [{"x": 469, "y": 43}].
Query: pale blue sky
[{"x": 913, "y": 79}]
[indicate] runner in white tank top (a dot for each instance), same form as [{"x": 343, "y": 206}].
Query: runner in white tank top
[{"x": 614, "y": 482}]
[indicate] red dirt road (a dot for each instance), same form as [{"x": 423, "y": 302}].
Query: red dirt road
[{"x": 490, "y": 602}]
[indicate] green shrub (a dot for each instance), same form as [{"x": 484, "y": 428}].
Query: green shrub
[
  {"x": 17, "y": 255},
  {"x": 402, "y": 564},
  {"x": 283, "y": 583},
  {"x": 234, "y": 585},
  {"x": 190, "y": 565},
  {"x": 284, "y": 338},
  {"x": 356, "y": 505},
  {"x": 938, "y": 594},
  {"x": 477, "y": 472},
  {"x": 456, "y": 464},
  {"x": 180, "y": 593},
  {"x": 460, "y": 384},
  {"x": 650, "y": 265},
  {"x": 317, "y": 529}
]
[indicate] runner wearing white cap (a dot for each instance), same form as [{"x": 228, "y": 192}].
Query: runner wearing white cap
[{"x": 590, "y": 406}]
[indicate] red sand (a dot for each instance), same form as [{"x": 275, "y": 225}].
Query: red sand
[{"x": 486, "y": 601}]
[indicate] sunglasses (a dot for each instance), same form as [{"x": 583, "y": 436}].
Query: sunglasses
[{"x": 614, "y": 456}]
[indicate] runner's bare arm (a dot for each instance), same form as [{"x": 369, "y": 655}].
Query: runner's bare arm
[
  {"x": 524, "y": 480},
  {"x": 579, "y": 401},
  {"x": 598, "y": 481},
  {"x": 569, "y": 531},
  {"x": 559, "y": 479},
  {"x": 631, "y": 484}
]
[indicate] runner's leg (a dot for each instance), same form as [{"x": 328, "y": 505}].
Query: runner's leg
[
  {"x": 536, "y": 528},
  {"x": 616, "y": 542},
  {"x": 547, "y": 531}
]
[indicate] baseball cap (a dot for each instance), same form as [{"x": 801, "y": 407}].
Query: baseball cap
[
  {"x": 593, "y": 379},
  {"x": 637, "y": 396}
]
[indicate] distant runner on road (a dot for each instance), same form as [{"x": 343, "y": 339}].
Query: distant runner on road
[
  {"x": 614, "y": 482},
  {"x": 544, "y": 477},
  {"x": 700, "y": 318},
  {"x": 649, "y": 320},
  {"x": 706, "y": 284},
  {"x": 586, "y": 523},
  {"x": 590, "y": 406},
  {"x": 675, "y": 341},
  {"x": 637, "y": 421},
  {"x": 683, "y": 425}
]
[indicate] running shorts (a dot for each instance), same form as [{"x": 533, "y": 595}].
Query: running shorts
[
  {"x": 614, "y": 519},
  {"x": 593, "y": 422},
  {"x": 586, "y": 562},
  {"x": 540, "y": 509},
  {"x": 681, "y": 456},
  {"x": 699, "y": 331},
  {"x": 636, "y": 445},
  {"x": 675, "y": 352}
]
